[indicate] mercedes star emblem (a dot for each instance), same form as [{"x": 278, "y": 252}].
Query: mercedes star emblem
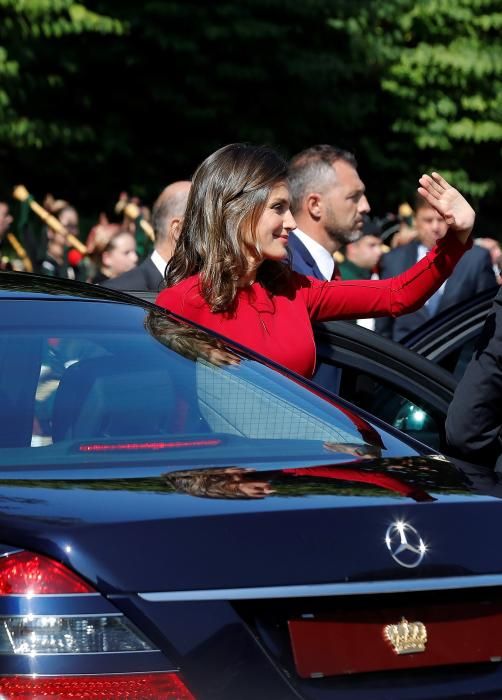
[{"x": 405, "y": 544}]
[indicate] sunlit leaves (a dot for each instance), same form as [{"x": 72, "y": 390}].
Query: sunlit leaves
[
  {"x": 406, "y": 84},
  {"x": 441, "y": 64}
]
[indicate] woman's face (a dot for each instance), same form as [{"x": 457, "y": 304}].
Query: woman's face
[
  {"x": 122, "y": 257},
  {"x": 274, "y": 225},
  {"x": 69, "y": 219}
]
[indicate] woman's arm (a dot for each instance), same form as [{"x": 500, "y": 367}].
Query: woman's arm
[
  {"x": 394, "y": 296},
  {"x": 408, "y": 291}
]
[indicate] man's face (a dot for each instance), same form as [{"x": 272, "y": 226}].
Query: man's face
[
  {"x": 366, "y": 252},
  {"x": 5, "y": 219},
  {"x": 430, "y": 226},
  {"x": 345, "y": 204}
]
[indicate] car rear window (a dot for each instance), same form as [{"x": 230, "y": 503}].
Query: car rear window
[{"x": 100, "y": 381}]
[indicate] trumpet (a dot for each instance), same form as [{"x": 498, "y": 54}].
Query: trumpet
[
  {"x": 21, "y": 194},
  {"x": 20, "y": 252},
  {"x": 132, "y": 211}
]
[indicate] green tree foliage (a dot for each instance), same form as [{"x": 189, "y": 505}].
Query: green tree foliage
[
  {"x": 111, "y": 96},
  {"x": 197, "y": 75},
  {"x": 439, "y": 63},
  {"x": 35, "y": 69}
]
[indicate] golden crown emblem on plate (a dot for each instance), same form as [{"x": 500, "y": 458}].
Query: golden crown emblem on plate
[{"x": 406, "y": 637}]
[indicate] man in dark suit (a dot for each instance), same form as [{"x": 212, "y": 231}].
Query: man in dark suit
[
  {"x": 167, "y": 214},
  {"x": 329, "y": 203},
  {"x": 473, "y": 273},
  {"x": 474, "y": 421}
]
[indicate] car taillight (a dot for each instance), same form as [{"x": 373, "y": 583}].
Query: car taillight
[
  {"x": 25, "y": 573},
  {"x": 34, "y": 635},
  {"x": 134, "y": 686},
  {"x": 102, "y": 631},
  {"x": 29, "y": 574}
]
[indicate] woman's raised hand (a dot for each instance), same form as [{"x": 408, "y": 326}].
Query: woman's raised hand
[{"x": 453, "y": 207}]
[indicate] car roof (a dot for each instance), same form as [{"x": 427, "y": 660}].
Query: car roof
[{"x": 15, "y": 285}]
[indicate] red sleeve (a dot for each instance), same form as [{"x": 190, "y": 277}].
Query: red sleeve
[
  {"x": 385, "y": 481},
  {"x": 394, "y": 296},
  {"x": 366, "y": 431}
]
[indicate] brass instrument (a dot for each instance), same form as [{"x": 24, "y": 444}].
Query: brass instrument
[
  {"x": 20, "y": 252},
  {"x": 21, "y": 193},
  {"x": 132, "y": 211}
]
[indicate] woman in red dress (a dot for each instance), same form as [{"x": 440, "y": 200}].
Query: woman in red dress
[{"x": 230, "y": 269}]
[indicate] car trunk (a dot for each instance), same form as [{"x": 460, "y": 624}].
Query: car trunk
[
  {"x": 315, "y": 525},
  {"x": 336, "y": 571}
]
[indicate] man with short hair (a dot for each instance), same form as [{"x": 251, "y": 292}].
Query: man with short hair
[
  {"x": 328, "y": 202},
  {"x": 472, "y": 275},
  {"x": 167, "y": 215},
  {"x": 361, "y": 257},
  {"x": 360, "y": 260}
]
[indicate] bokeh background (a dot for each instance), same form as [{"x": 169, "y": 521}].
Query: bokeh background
[{"x": 100, "y": 96}]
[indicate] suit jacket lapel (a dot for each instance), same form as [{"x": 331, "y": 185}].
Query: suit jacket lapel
[
  {"x": 448, "y": 296},
  {"x": 412, "y": 253},
  {"x": 306, "y": 256},
  {"x": 154, "y": 279}
]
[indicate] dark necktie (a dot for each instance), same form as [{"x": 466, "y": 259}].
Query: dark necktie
[{"x": 335, "y": 274}]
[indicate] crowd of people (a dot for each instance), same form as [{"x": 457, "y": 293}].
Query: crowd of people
[{"x": 258, "y": 248}]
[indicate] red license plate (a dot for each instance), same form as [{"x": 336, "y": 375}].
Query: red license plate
[{"x": 362, "y": 641}]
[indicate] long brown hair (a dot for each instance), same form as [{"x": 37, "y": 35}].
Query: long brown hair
[{"x": 228, "y": 195}]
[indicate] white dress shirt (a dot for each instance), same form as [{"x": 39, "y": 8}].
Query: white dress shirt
[
  {"x": 433, "y": 301},
  {"x": 159, "y": 262}
]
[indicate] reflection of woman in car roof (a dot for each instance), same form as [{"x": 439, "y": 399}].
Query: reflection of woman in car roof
[
  {"x": 242, "y": 482},
  {"x": 192, "y": 343}
]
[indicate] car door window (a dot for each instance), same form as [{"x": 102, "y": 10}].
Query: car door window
[{"x": 402, "y": 409}]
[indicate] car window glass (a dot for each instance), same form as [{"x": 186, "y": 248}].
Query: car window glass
[
  {"x": 91, "y": 384},
  {"x": 403, "y": 410},
  {"x": 57, "y": 355}
]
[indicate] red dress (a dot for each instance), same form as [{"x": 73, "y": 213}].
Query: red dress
[
  {"x": 385, "y": 481},
  {"x": 279, "y": 326}
]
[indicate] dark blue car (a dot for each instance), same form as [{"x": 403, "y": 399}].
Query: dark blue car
[{"x": 181, "y": 519}]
